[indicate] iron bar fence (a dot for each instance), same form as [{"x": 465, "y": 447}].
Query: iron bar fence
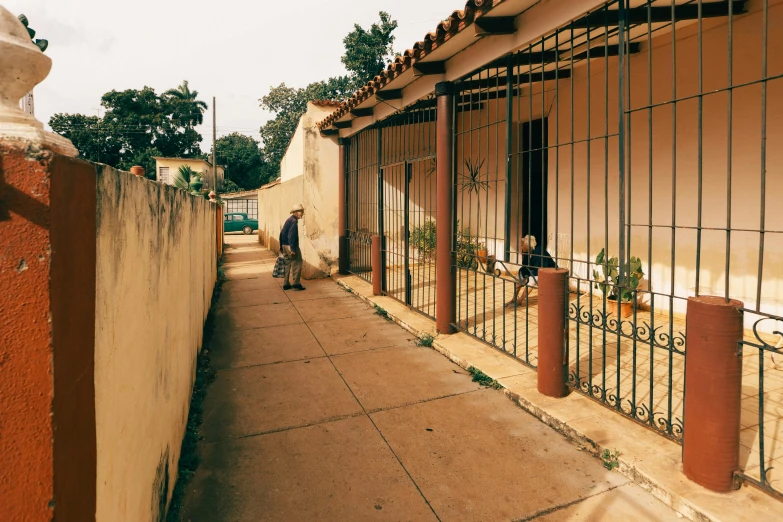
[
  {"x": 362, "y": 200},
  {"x": 592, "y": 140},
  {"x": 408, "y": 201},
  {"x": 633, "y": 147}
]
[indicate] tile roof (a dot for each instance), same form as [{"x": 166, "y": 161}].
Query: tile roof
[
  {"x": 325, "y": 103},
  {"x": 235, "y": 195},
  {"x": 454, "y": 24}
]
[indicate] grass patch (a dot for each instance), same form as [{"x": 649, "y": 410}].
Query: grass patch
[
  {"x": 189, "y": 457},
  {"x": 383, "y": 313},
  {"x": 425, "y": 340},
  {"x": 483, "y": 379}
]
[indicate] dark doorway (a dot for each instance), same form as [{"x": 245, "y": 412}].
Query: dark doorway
[{"x": 528, "y": 186}]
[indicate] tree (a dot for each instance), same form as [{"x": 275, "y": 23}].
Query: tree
[
  {"x": 366, "y": 53},
  {"x": 242, "y": 159},
  {"x": 188, "y": 107},
  {"x": 137, "y": 125},
  {"x": 229, "y": 187}
]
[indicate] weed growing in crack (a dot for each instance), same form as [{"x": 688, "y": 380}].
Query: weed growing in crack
[
  {"x": 425, "y": 340},
  {"x": 483, "y": 379},
  {"x": 610, "y": 459},
  {"x": 383, "y": 313}
]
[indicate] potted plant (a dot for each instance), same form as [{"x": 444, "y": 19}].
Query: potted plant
[
  {"x": 468, "y": 248},
  {"x": 423, "y": 238},
  {"x": 473, "y": 183},
  {"x": 620, "y": 298}
]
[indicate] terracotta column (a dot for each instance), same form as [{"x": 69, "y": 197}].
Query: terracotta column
[
  {"x": 552, "y": 332},
  {"x": 342, "y": 224},
  {"x": 445, "y": 272},
  {"x": 47, "y": 309},
  {"x": 713, "y": 391}
]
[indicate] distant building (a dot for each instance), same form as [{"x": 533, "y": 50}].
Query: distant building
[
  {"x": 245, "y": 202},
  {"x": 166, "y": 169}
]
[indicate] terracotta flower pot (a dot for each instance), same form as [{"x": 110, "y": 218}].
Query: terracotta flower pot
[
  {"x": 482, "y": 255},
  {"x": 621, "y": 310},
  {"x": 137, "y": 170}
]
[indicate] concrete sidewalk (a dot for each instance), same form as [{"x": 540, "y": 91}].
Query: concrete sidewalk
[{"x": 323, "y": 410}]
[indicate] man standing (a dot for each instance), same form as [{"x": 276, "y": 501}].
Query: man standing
[{"x": 289, "y": 244}]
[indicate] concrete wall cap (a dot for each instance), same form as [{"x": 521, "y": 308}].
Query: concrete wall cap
[{"x": 22, "y": 67}]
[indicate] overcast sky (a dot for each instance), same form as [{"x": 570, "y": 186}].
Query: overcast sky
[{"x": 231, "y": 49}]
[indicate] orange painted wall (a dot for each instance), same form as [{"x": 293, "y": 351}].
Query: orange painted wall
[{"x": 26, "y": 380}]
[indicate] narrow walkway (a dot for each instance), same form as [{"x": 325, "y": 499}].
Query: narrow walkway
[{"x": 323, "y": 410}]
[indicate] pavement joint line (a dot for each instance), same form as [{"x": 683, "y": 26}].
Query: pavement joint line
[
  {"x": 327, "y": 420},
  {"x": 380, "y": 433},
  {"x": 241, "y": 329},
  {"x": 549, "y": 511},
  {"x": 305, "y": 359},
  {"x": 422, "y": 401}
]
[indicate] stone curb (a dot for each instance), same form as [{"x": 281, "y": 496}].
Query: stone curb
[{"x": 583, "y": 442}]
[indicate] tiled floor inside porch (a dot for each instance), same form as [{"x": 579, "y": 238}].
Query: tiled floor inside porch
[{"x": 643, "y": 376}]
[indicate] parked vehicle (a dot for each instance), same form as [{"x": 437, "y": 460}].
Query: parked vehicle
[{"x": 238, "y": 222}]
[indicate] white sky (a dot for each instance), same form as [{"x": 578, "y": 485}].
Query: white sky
[{"x": 231, "y": 49}]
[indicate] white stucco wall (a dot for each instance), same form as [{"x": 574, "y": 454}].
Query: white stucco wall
[{"x": 309, "y": 175}]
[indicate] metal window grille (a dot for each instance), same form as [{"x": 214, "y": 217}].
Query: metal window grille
[
  {"x": 164, "y": 175},
  {"x": 245, "y": 206}
]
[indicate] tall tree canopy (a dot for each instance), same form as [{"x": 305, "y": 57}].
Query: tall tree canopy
[
  {"x": 137, "y": 125},
  {"x": 366, "y": 53},
  {"x": 242, "y": 159}
]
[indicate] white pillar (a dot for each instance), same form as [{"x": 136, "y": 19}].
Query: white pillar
[{"x": 22, "y": 67}]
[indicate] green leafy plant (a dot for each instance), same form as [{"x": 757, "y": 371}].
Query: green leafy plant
[
  {"x": 483, "y": 379},
  {"x": 467, "y": 248},
  {"x": 610, "y": 459},
  {"x": 472, "y": 183},
  {"x": 423, "y": 238},
  {"x": 41, "y": 44},
  {"x": 607, "y": 280},
  {"x": 425, "y": 340},
  {"x": 187, "y": 179}
]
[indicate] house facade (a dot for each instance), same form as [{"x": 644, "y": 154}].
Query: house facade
[
  {"x": 641, "y": 131},
  {"x": 166, "y": 169}
]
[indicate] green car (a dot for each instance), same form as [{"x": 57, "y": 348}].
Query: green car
[{"x": 238, "y": 222}]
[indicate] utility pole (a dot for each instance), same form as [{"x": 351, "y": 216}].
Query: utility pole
[{"x": 214, "y": 146}]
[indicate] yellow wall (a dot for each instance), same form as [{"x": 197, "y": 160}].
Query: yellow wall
[
  {"x": 196, "y": 164},
  {"x": 156, "y": 269}
]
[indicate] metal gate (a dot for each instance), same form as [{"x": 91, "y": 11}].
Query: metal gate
[
  {"x": 407, "y": 214},
  {"x": 362, "y": 200}
]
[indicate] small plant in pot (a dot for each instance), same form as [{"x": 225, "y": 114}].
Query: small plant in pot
[
  {"x": 620, "y": 298},
  {"x": 468, "y": 248},
  {"x": 474, "y": 184},
  {"x": 423, "y": 238}
]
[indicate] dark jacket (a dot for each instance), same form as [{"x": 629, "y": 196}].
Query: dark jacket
[
  {"x": 290, "y": 234},
  {"x": 538, "y": 258}
]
